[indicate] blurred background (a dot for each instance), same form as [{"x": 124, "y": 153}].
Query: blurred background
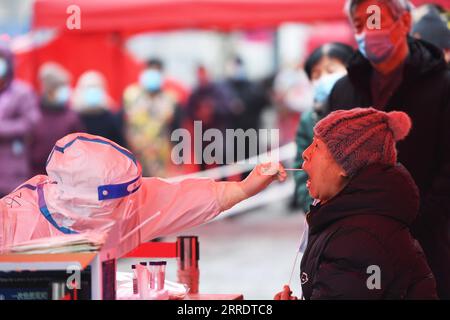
[{"x": 134, "y": 71}]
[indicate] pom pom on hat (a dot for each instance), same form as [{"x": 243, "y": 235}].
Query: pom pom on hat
[{"x": 400, "y": 124}]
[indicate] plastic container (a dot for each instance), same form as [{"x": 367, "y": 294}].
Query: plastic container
[
  {"x": 157, "y": 271},
  {"x": 143, "y": 280},
  {"x": 135, "y": 281}
]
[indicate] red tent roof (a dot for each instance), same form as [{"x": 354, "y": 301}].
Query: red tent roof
[
  {"x": 97, "y": 46},
  {"x": 138, "y": 15}
]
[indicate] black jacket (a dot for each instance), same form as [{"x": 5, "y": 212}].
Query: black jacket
[
  {"x": 366, "y": 225},
  {"x": 103, "y": 123},
  {"x": 424, "y": 95}
]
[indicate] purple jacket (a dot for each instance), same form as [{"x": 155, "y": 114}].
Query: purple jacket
[{"x": 19, "y": 113}]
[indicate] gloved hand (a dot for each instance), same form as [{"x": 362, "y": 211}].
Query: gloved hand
[
  {"x": 190, "y": 278},
  {"x": 231, "y": 193},
  {"x": 286, "y": 294}
]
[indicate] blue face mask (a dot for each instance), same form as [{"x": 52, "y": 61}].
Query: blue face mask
[
  {"x": 376, "y": 45},
  {"x": 62, "y": 95},
  {"x": 361, "y": 41},
  {"x": 239, "y": 73},
  {"x": 324, "y": 85},
  {"x": 94, "y": 97},
  {"x": 151, "y": 80},
  {"x": 3, "y": 67}
]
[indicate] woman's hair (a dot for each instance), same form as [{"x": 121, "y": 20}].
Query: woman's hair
[{"x": 336, "y": 50}]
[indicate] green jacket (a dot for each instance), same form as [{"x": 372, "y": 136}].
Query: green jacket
[{"x": 303, "y": 139}]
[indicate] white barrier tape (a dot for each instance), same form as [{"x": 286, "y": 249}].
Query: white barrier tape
[
  {"x": 273, "y": 193},
  {"x": 286, "y": 152}
]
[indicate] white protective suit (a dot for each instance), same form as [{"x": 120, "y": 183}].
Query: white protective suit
[{"x": 94, "y": 185}]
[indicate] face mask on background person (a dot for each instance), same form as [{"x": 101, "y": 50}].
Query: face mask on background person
[
  {"x": 376, "y": 45},
  {"x": 238, "y": 73},
  {"x": 3, "y": 67},
  {"x": 94, "y": 97},
  {"x": 323, "y": 86},
  {"x": 62, "y": 96},
  {"x": 151, "y": 80}
]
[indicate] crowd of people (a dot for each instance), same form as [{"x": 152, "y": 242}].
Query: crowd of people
[{"x": 31, "y": 122}]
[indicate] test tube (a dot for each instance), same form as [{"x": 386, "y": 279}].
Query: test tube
[
  {"x": 157, "y": 274},
  {"x": 135, "y": 281},
  {"x": 142, "y": 279}
]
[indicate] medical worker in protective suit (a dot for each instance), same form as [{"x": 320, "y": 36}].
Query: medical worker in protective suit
[{"x": 94, "y": 185}]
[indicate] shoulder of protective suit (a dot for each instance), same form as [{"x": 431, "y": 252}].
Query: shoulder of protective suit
[
  {"x": 33, "y": 182},
  {"x": 24, "y": 198}
]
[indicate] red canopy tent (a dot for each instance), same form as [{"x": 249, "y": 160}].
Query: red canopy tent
[
  {"x": 81, "y": 52},
  {"x": 138, "y": 15},
  {"x": 106, "y": 24}
]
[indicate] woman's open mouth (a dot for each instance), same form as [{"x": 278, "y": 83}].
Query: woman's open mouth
[{"x": 308, "y": 182}]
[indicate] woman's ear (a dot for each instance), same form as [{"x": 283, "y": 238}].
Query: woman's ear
[{"x": 344, "y": 175}]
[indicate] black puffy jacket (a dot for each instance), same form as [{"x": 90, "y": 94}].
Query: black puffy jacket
[
  {"x": 363, "y": 230},
  {"x": 424, "y": 95}
]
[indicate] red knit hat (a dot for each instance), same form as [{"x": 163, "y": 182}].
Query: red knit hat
[{"x": 362, "y": 136}]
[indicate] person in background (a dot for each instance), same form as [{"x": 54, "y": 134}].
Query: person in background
[
  {"x": 248, "y": 100},
  {"x": 209, "y": 103},
  {"x": 172, "y": 87},
  {"x": 57, "y": 119},
  {"x": 394, "y": 71},
  {"x": 292, "y": 95},
  {"x": 431, "y": 27},
  {"x": 93, "y": 104},
  {"x": 19, "y": 114},
  {"x": 359, "y": 240},
  {"x": 324, "y": 67},
  {"x": 207, "y": 90},
  {"x": 149, "y": 111}
]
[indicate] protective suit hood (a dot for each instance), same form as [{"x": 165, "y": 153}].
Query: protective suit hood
[{"x": 89, "y": 177}]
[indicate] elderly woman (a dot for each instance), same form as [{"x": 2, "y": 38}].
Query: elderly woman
[{"x": 359, "y": 242}]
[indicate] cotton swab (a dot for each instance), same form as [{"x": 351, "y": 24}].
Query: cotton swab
[
  {"x": 293, "y": 169},
  {"x": 301, "y": 250},
  {"x": 293, "y": 268}
]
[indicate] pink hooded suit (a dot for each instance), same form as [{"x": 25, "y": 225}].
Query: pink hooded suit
[{"x": 95, "y": 185}]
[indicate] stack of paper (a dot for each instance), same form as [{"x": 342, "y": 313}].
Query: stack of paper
[{"x": 84, "y": 242}]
